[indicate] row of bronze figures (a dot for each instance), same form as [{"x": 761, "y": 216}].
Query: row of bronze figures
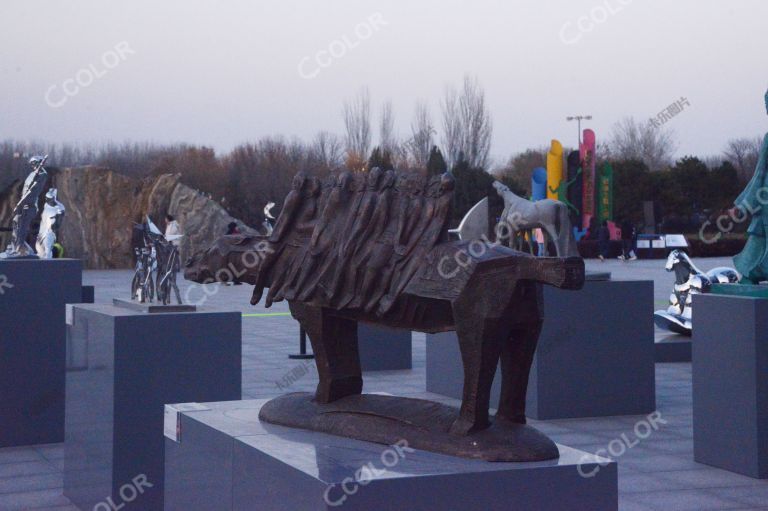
[{"x": 374, "y": 247}]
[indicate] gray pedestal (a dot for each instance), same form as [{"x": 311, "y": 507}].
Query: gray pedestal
[
  {"x": 227, "y": 460},
  {"x": 124, "y": 367},
  {"x": 672, "y": 348},
  {"x": 730, "y": 383},
  {"x": 33, "y": 295},
  {"x": 384, "y": 349},
  {"x": 595, "y": 355}
]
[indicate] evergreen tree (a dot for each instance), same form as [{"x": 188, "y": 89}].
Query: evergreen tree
[
  {"x": 381, "y": 159},
  {"x": 472, "y": 185},
  {"x": 436, "y": 163}
]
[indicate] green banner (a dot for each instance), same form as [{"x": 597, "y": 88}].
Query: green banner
[{"x": 605, "y": 193}]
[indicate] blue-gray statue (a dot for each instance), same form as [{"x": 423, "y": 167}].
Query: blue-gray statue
[
  {"x": 689, "y": 280},
  {"x": 752, "y": 262},
  {"x": 26, "y": 210}
]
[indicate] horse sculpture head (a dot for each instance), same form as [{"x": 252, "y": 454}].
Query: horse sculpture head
[
  {"x": 231, "y": 258},
  {"x": 679, "y": 262}
]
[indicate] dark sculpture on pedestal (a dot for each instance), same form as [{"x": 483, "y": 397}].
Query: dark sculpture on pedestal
[{"x": 374, "y": 247}]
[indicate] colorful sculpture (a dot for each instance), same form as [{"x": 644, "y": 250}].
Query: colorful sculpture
[
  {"x": 689, "y": 280},
  {"x": 539, "y": 184},
  {"x": 752, "y": 262},
  {"x": 554, "y": 169},
  {"x": 587, "y": 154},
  {"x": 605, "y": 193}
]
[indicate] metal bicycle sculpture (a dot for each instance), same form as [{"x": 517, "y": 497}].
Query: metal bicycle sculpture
[
  {"x": 159, "y": 255},
  {"x": 167, "y": 268},
  {"x": 142, "y": 286}
]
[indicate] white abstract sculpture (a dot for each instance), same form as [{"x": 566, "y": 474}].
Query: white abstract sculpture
[
  {"x": 267, "y": 217},
  {"x": 50, "y": 221}
]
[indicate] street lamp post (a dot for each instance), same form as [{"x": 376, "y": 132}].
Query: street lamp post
[{"x": 578, "y": 119}]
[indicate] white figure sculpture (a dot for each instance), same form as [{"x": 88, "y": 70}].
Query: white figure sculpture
[
  {"x": 26, "y": 209},
  {"x": 549, "y": 215},
  {"x": 50, "y": 221},
  {"x": 267, "y": 217}
]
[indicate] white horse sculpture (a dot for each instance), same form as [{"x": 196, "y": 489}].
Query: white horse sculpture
[{"x": 549, "y": 215}]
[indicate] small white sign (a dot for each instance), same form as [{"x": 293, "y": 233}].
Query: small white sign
[
  {"x": 676, "y": 241},
  {"x": 643, "y": 243},
  {"x": 172, "y": 421},
  {"x": 658, "y": 243}
]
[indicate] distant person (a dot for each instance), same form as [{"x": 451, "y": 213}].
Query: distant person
[
  {"x": 627, "y": 241},
  {"x": 232, "y": 228},
  {"x": 603, "y": 240},
  {"x": 540, "y": 241},
  {"x": 172, "y": 228}
]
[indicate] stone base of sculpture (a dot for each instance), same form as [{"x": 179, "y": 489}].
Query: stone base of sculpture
[
  {"x": 152, "y": 308},
  {"x": 123, "y": 367},
  {"x": 227, "y": 459},
  {"x": 575, "y": 371},
  {"x": 33, "y": 298},
  {"x": 729, "y": 383},
  {"x": 423, "y": 424}
]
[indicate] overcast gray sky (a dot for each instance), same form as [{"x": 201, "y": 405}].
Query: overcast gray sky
[{"x": 224, "y": 72}]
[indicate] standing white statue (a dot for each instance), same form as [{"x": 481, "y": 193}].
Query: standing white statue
[
  {"x": 50, "y": 221},
  {"x": 26, "y": 210},
  {"x": 267, "y": 217}
]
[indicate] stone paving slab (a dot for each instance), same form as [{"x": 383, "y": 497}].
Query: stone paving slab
[{"x": 655, "y": 473}]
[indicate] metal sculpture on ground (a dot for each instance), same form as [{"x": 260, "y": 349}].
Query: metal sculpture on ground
[
  {"x": 50, "y": 221},
  {"x": 549, "y": 215},
  {"x": 374, "y": 248},
  {"x": 689, "y": 280},
  {"x": 26, "y": 210}
]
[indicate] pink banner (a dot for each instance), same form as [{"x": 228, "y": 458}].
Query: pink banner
[{"x": 587, "y": 153}]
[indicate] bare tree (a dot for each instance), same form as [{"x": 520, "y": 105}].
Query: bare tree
[
  {"x": 328, "y": 149},
  {"x": 743, "y": 153},
  {"x": 634, "y": 140},
  {"x": 467, "y": 126},
  {"x": 387, "y": 128},
  {"x": 422, "y": 134},
  {"x": 357, "y": 122}
]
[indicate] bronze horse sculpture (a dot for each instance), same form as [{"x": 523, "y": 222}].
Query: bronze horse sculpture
[{"x": 374, "y": 248}]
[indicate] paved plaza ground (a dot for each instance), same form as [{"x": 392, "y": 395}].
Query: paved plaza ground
[{"x": 657, "y": 474}]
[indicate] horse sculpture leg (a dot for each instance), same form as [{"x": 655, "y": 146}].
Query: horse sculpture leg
[
  {"x": 334, "y": 343},
  {"x": 480, "y": 340},
  {"x": 518, "y": 351}
]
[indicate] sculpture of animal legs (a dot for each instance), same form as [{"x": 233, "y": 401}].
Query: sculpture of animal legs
[
  {"x": 334, "y": 343},
  {"x": 480, "y": 343},
  {"x": 518, "y": 350}
]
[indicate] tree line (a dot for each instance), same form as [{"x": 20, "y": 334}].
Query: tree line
[{"x": 244, "y": 179}]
